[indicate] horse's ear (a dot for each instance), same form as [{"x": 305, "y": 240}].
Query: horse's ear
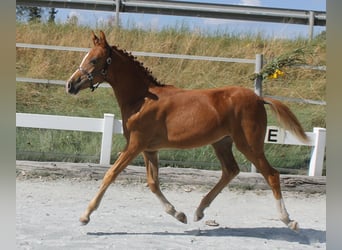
[
  {"x": 99, "y": 41},
  {"x": 102, "y": 36},
  {"x": 96, "y": 40},
  {"x": 103, "y": 39}
]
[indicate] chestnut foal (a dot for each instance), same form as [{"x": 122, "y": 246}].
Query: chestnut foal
[{"x": 156, "y": 116}]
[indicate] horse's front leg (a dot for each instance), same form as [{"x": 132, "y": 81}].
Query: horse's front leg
[
  {"x": 120, "y": 164},
  {"x": 230, "y": 169},
  {"x": 151, "y": 161}
]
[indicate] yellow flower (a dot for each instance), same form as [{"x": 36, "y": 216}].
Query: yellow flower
[
  {"x": 279, "y": 72},
  {"x": 273, "y": 76},
  {"x": 276, "y": 74}
]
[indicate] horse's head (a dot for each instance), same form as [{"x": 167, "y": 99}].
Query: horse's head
[{"x": 93, "y": 68}]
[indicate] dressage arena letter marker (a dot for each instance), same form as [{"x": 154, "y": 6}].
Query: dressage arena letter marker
[{"x": 275, "y": 135}]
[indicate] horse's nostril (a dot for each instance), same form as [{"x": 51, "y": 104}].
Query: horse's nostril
[{"x": 69, "y": 87}]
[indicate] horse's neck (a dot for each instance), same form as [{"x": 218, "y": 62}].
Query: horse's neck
[{"x": 130, "y": 87}]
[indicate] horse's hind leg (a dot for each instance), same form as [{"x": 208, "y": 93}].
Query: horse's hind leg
[
  {"x": 271, "y": 175},
  {"x": 251, "y": 144},
  {"x": 230, "y": 169},
  {"x": 151, "y": 161}
]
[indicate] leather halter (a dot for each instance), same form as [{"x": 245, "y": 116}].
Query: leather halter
[{"x": 103, "y": 72}]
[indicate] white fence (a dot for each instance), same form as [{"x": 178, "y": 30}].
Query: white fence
[
  {"x": 258, "y": 61},
  {"x": 109, "y": 126}
]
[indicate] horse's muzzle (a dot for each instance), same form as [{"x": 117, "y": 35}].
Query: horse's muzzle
[{"x": 70, "y": 88}]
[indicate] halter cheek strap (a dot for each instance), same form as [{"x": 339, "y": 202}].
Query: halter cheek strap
[{"x": 90, "y": 75}]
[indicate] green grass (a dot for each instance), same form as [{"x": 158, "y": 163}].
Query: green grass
[{"x": 35, "y": 144}]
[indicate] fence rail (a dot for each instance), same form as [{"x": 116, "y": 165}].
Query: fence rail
[
  {"x": 109, "y": 126},
  {"x": 258, "y": 61},
  {"x": 140, "y": 53},
  {"x": 191, "y": 9}
]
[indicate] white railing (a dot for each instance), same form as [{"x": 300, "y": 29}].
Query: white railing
[
  {"x": 317, "y": 140},
  {"x": 258, "y": 61},
  {"x": 109, "y": 126},
  {"x": 141, "y": 53}
]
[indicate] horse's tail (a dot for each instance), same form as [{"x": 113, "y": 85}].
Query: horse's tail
[{"x": 286, "y": 118}]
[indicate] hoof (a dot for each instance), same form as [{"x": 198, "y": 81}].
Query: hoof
[
  {"x": 84, "y": 220},
  {"x": 181, "y": 217},
  {"x": 293, "y": 225},
  {"x": 198, "y": 216}
]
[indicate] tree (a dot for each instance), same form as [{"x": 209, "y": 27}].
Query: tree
[
  {"x": 21, "y": 12},
  {"x": 52, "y": 15},
  {"x": 35, "y": 14}
]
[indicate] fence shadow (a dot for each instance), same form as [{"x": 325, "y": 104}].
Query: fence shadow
[{"x": 304, "y": 236}]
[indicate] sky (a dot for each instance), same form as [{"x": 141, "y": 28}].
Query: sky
[{"x": 157, "y": 22}]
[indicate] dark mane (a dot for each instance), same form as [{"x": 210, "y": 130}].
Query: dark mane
[{"x": 139, "y": 65}]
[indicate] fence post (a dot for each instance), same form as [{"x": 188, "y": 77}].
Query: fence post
[
  {"x": 258, "y": 80},
  {"x": 311, "y": 24},
  {"x": 257, "y": 86},
  {"x": 117, "y": 13},
  {"x": 107, "y": 135},
  {"x": 317, "y": 157}
]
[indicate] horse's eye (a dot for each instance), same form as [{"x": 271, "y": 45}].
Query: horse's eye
[{"x": 93, "y": 61}]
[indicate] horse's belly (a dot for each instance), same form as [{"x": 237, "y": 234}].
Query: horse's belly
[{"x": 193, "y": 129}]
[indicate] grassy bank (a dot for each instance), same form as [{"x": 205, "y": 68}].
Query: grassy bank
[{"x": 76, "y": 146}]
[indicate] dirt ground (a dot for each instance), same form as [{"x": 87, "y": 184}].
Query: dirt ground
[{"x": 49, "y": 203}]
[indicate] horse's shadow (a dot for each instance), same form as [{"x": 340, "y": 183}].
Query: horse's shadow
[{"x": 304, "y": 236}]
